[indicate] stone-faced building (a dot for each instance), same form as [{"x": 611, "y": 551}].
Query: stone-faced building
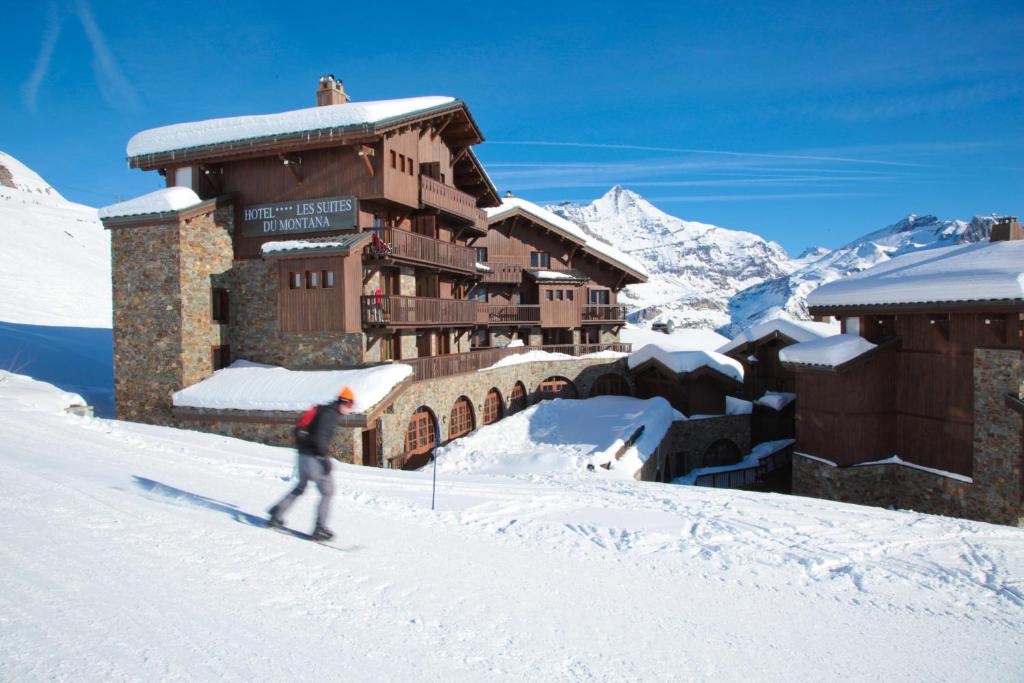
[
  {"x": 339, "y": 236},
  {"x": 919, "y": 404}
]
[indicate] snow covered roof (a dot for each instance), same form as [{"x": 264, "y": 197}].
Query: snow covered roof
[
  {"x": 569, "y": 229},
  {"x": 682, "y": 362},
  {"x": 182, "y": 136},
  {"x": 776, "y": 400},
  {"x": 557, "y": 275},
  {"x": 253, "y": 386},
  {"x": 483, "y": 268},
  {"x": 983, "y": 271},
  {"x": 797, "y": 330},
  {"x": 336, "y": 243},
  {"x": 829, "y": 352},
  {"x": 162, "y": 201}
]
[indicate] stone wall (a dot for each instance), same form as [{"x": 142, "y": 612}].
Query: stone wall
[
  {"x": 994, "y": 495},
  {"x": 687, "y": 441}
]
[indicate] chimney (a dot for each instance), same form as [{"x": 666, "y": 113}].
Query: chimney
[
  {"x": 1006, "y": 228},
  {"x": 330, "y": 91}
]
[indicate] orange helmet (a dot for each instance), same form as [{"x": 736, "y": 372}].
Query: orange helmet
[{"x": 346, "y": 395}]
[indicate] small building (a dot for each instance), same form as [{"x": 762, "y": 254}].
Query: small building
[{"x": 918, "y": 404}]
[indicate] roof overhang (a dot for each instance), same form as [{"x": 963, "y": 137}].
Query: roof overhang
[
  {"x": 974, "y": 306},
  {"x": 354, "y": 243},
  {"x": 170, "y": 217},
  {"x": 892, "y": 343}
]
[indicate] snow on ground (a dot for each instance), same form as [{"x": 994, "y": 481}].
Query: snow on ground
[
  {"x": 245, "y": 385},
  {"x": 827, "y": 352},
  {"x": 126, "y": 556},
  {"x": 682, "y": 339},
  {"x": 564, "y": 436}
]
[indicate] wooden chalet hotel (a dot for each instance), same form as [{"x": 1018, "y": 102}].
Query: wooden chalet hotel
[{"x": 348, "y": 236}]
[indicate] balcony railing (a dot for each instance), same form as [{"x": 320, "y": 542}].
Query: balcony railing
[
  {"x": 452, "y": 201},
  {"x": 432, "y": 367},
  {"x": 510, "y": 314},
  {"x": 412, "y": 311},
  {"x": 503, "y": 273},
  {"x": 593, "y": 313},
  {"x": 410, "y": 247}
]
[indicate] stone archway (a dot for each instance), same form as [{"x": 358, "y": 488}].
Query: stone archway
[
  {"x": 610, "y": 384},
  {"x": 721, "y": 452},
  {"x": 517, "y": 399},
  {"x": 557, "y": 387}
]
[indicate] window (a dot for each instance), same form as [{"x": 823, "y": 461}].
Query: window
[
  {"x": 394, "y": 159},
  {"x": 478, "y": 294},
  {"x": 390, "y": 347},
  {"x": 220, "y": 356},
  {"x": 492, "y": 407},
  {"x": 442, "y": 178},
  {"x": 556, "y": 387},
  {"x": 295, "y": 280},
  {"x": 461, "y": 420},
  {"x": 479, "y": 339},
  {"x": 549, "y": 295},
  {"x": 559, "y": 294},
  {"x": 600, "y": 297},
  {"x": 539, "y": 259},
  {"x": 481, "y": 254},
  {"x": 568, "y": 295},
  {"x": 517, "y": 400},
  {"x": 410, "y": 167},
  {"x": 419, "y": 435},
  {"x": 312, "y": 279},
  {"x": 221, "y": 308},
  {"x": 327, "y": 277}
]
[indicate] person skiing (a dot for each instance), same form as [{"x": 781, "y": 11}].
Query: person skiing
[{"x": 313, "y": 437}]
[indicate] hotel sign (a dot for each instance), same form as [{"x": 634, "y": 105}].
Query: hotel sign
[{"x": 305, "y": 215}]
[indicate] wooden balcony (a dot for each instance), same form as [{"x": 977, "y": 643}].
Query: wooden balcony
[
  {"x": 503, "y": 273},
  {"x": 508, "y": 314},
  {"x": 402, "y": 246},
  {"x": 451, "y": 201},
  {"x": 603, "y": 313},
  {"x": 417, "y": 311},
  {"x": 432, "y": 367}
]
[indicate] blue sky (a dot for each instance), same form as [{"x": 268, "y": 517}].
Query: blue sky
[{"x": 809, "y": 123}]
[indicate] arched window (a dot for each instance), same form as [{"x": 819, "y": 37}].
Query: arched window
[
  {"x": 517, "y": 400},
  {"x": 557, "y": 387},
  {"x": 610, "y": 384},
  {"x": 460, "y": 422},
  {"x": 722, "y": 452},
  {"x": 493, "y": 407},
  {"x": 420, "y": 438}
]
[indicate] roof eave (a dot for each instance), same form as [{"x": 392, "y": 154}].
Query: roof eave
[
  {"x": 169, "y": 217},
  {"x": 986, "y": 305}
]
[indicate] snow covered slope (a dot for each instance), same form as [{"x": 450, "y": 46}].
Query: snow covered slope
[
  {"x": 694, "y": 267},
  {"x": 54, "y": 254},
  {"x": 55, "y": 306},
  {"x": 128, "y": 554}
]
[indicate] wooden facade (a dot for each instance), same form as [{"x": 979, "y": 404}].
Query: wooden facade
[{"x": 700, "y": 392}]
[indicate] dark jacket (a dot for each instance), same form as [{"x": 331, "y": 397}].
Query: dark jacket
[{"x": 321, "y": 431}]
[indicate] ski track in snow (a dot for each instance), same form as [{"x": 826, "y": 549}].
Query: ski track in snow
[{"x": 122, "y": 558}]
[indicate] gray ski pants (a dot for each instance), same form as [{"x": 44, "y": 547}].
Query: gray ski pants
[{"x": 311, "y": 468}]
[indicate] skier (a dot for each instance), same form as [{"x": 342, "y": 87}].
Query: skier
[{"x": 313, "y": 437}]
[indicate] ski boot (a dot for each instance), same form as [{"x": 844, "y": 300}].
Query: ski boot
[
  {"x": 322, "y": 533},
  {"x": 274, "y": 522}
]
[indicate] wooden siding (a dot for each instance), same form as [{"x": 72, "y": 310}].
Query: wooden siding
[
  {"x": 694, "y": 395},
  {"x": 307, "y": 310},
  {"x": 564, "y": 313}
]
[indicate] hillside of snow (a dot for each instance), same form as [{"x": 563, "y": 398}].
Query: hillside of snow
[
  {"x": 55, "y": 312},
  {"x": 704, "y": 276},
  {"x": 129, "y": 553}
]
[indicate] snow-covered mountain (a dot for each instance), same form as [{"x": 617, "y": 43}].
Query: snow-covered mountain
[
  {"x": 786, "y": 296},
  {"x": 702, "y": 275},
  {"x": 695, "y": 268},
  {"x": 55, "y": 306}
]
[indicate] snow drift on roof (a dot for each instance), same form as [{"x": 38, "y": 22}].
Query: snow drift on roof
[
  {"x": 252, "y": 386},
  {"x": 688, "y": 361},
  {"x": 682, "y": 339},
  {"x": 338, "y": 242},
  {"x": 509, "y": 204},
  {"x": 776, "y": 400},
  {"x": 974, "y": 272},
  {"x": 797, "y": 330},
  {"x": 161, "y": 201},
  {"x": 828, "y": 352},
  {"x": 182, "y": 136}
]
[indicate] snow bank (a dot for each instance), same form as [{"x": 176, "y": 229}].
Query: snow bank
[
  {"x": 20, "y": 392},
  {"x": 797, "y": 330},
  {"x": 161, "y": 201},
  {"x": 237, "y": 128},
  {"x": 974, "y": 272},
  {"x": 776, "y": 400},
  {"x": 828, "y": 352},
  {"x": 688, "y": 361},
  {"x": 252, "y": 386},
  {"x": 510, "y": 204},
  {"x": 539, "y": 356},
  {"x": 564, "y": 436},
  {"x": 751, "y": 459}
]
